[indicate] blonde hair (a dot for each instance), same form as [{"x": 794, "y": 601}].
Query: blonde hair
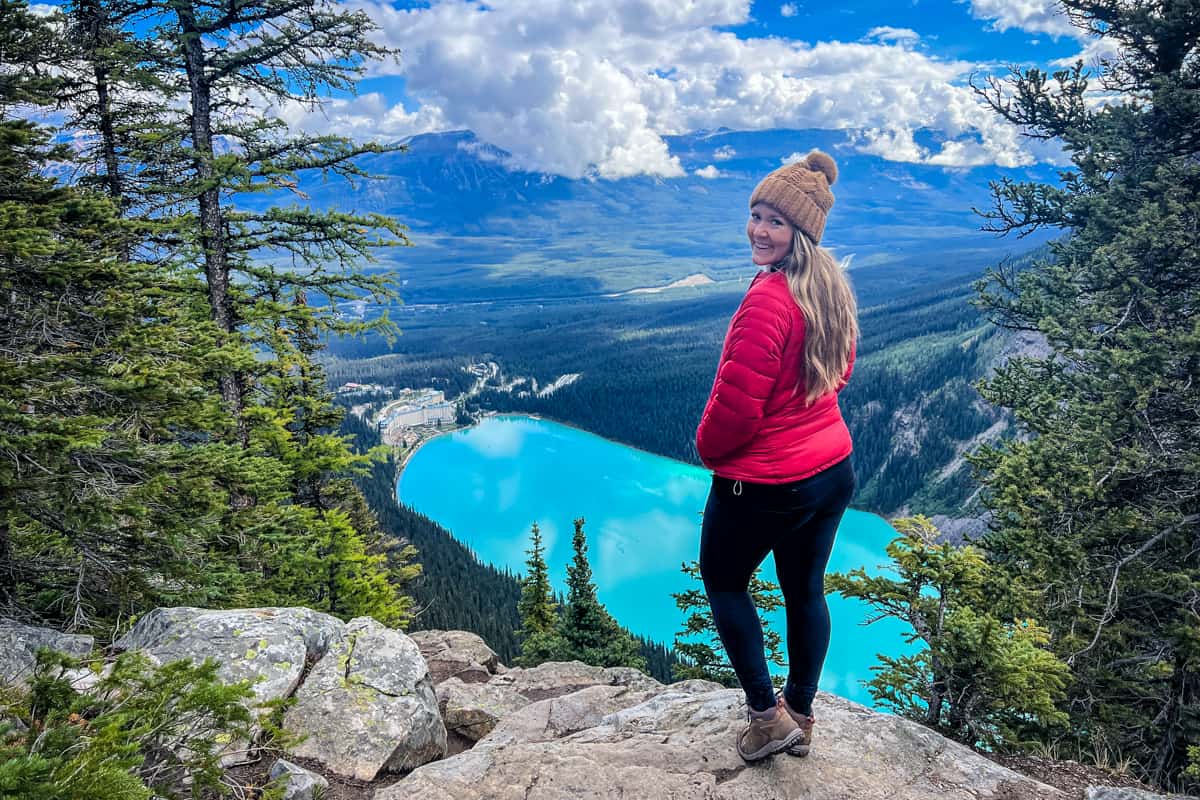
[{"x": 821, "y": 288}]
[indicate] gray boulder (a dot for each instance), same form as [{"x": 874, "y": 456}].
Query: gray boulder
[
  {"x": 299, "y": 783},
  {"x": 368, "y": 706},
  {"x": 457, "y": 654},
  {"x": 471, "y": 710},
  {"x": 20, "y": 643},
  {"x": 268, "y": 646},
  {"x": 557, "y": 678},
  {"x": 681, "y": 746},
  {"x": 9, "y": 725},
  {"x": 695, "y": 686},
  {"x": 84, "y": 679},
  {"x": 628, "y": 676}
]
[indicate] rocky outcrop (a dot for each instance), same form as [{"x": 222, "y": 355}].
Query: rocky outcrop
[
  {"x": 1122, "y": 793},
  {"x": 457, "y": 654},
  {"x": 298, "y": 783},
  {"x": 561, "y": 716},
  {"x": 269, "y": 647},
  {"x": 556, "y": 678},
  {"x": 19, "y": 645},
  {"x": 679, "y": 745},
  {"x": 523, "y": 699},
  {"x": 368, "y": 705}
]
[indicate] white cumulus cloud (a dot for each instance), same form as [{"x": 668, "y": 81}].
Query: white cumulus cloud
[
  {"x": 788, "y": 10},
  {"x": 590, "y": 88},
  {"x": 1092, "y": 54},
  {"x": 367, "y": 116},
  {"x": 708, "y": 172},
  {"x": 1047, "y": 16},
  {"x": 1032, "y": 16},
  {"x": 886, "y": 33}
]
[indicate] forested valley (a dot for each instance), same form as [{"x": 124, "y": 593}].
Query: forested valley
[{"x": 646, "y": 368}]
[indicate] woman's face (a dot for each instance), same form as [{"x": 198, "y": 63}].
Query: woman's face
[{"x": 770, "y": 235}]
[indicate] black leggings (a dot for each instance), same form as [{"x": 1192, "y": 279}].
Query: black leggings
[{"x": 797, "y": 522}]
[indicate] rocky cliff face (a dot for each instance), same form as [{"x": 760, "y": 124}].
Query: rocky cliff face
[{"x": 371, "y": 709}]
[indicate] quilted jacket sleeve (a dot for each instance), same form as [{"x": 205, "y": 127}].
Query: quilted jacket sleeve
[{"x": 750, "y": 364}]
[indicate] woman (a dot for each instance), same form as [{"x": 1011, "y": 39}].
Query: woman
[{"x": 773, "y": 435}]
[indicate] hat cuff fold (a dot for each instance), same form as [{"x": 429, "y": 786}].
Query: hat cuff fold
[{"x": 797, "y": 207}]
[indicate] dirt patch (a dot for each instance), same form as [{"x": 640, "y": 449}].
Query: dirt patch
[
  {"x": 1069, "y": 776},
  {"x": 251, "y": 778}
]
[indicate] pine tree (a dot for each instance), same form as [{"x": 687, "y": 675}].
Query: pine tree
[
  {"x": 1097, "y": 503},
  {"x": 589, "y": 632},
  {"x": 979, "y": 679},
  {"x": 273, "y": 276},
  {"x": 116, "y": 88},
  {"x": 278, "y": 52},
  {"x": 538, "y": 612},
  {"x": 328, "y": 564},
  {"x": 104, "y": 510},
  {"x": 698, "y": 647},
  {"x": 218, "y": 72}
]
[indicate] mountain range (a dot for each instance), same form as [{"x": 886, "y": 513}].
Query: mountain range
[{"x": 483, "y": 230}]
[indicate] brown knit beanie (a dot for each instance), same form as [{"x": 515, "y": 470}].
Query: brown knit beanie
[{"x": 801, "y": 192}]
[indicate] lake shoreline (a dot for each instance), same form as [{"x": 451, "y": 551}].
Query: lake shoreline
[
  {"x": 543, "y": 418},
  {"x": 540, "y": 418},
  {"x": 633, "y": 447}
]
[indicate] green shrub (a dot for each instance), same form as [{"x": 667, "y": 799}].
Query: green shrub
[
  {"x": 140, "y": 732},
  {"x": 980, "y": 678}
]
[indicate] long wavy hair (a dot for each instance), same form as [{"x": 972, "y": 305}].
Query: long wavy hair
[{"x": 822, "y": 290}]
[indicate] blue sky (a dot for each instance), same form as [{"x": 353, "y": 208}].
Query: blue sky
[{"x": 591, "y": 87}]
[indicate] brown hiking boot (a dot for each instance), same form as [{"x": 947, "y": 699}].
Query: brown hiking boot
[
  {"x": 804, "y": 722},
  {"x": 769, "y": 732}
]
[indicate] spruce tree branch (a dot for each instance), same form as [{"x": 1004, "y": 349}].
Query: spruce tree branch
[
  {"x": 1110, "y": 607},
  {"x": 1120, "y": 322},
  {"x": 235, "y": 14}
]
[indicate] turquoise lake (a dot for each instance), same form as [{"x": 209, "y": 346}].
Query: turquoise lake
[{"x": 488, "y": 484}]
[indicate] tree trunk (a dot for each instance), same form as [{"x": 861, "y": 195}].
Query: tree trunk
[
  {"x": 108, "y": 139},
  {"x": 1169, "y": 757},
  {"x": 935, "y": 699},
  {"x": 212, "y": 231},
  {"x": 96, "y": 27}
]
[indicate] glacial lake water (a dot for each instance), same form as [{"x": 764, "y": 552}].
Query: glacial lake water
[{"x": 488, "y": 484}]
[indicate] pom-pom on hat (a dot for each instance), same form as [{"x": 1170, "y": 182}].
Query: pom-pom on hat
[{"x": 800, "y": 191}]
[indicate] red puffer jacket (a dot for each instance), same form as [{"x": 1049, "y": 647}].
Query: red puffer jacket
[{"x": 757, "y": 426}]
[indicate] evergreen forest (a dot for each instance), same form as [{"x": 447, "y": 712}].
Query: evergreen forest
[
  {"x": 646, "y": 368},
  {"x": 167, "y": 433}
]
